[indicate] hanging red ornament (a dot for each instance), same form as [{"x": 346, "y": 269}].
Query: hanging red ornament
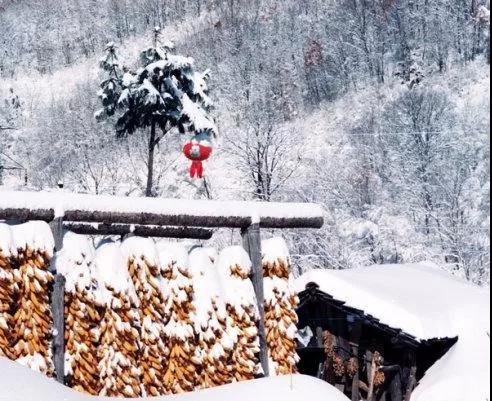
[{"x": 197, "y": 149}]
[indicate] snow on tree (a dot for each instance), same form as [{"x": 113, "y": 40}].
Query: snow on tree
[
  {"x": 76, "y": 262},
  {"x": 179, "y": 334},
  {"x": 280, "y": 307},
  {"x": 33, "y": 321},
  {"x": 144, "y": 268},
  {"x": 119, "y": 345},
  {"x": 234, "y": 268},
  {"x": 216, "y": 337},
  {"x": 8, "y": 290},
  {"x": 165, "y": 94}
]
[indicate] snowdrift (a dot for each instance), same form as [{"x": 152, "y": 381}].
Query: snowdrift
[
  {"x": 18, "y": 383},
  {"x": 428, "y": 303}
]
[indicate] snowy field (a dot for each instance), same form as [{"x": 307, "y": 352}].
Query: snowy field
[
  {"x": 428, "y": 303},
  {"x": 13, "y": 378}
]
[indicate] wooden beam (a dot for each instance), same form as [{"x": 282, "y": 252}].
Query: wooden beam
[
  {"x": 140, "y": 231},
  {"x": 252, "y": 245},
  {"x": 156, "y": 211},
  {"x": 147, "y": 219},
  {"x": 58, "y": 306}
]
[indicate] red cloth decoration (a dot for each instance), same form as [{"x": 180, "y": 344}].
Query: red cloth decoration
[{"x": 197, "y": 152}]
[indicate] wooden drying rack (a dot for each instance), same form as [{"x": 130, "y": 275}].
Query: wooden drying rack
[{"x": 157, "y": 218}]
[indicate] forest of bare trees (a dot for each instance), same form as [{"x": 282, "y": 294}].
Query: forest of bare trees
[{"x": 377, "y": 109}]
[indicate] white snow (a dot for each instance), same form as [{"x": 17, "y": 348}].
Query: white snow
[
  {"x": 36, "y": 362},
  {"x": 112, "y": 271},
  {"x": 274, "y": 249},
  {"x": 171, "y": 254},
  {"x": 20, "y": 384},
  {"x": 6, "y": 241},
  {"x": 427, "y": 303},
  {"x": 198, "y": 116},
  {"x": 237, "y": 292},
  {"x": 35, "y": 234},
  {"x": 138, "y": 246},
  {"x": 172, "y": 207},
  {"x": 76, "y": 261}
]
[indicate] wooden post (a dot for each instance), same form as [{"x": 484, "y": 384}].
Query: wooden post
[
  {"x": 319, "y": 337},
  {"x": 396, "y": 389},
  {"x": 412, "y": 380},
  {"x": 371, "y": 374},
  {"x": 58, "y": 306},
  {"x": 355, "y": 336},
  {"x": 252, "y": 244}
]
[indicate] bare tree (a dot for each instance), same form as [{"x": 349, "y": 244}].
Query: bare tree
[{"x": 268, "y": 156}]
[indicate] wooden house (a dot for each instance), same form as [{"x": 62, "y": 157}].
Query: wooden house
[{"x": 358, "y": 352}]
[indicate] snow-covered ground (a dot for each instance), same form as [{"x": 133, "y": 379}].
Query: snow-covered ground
[
  {"x": 428, "y": 303},
  {"x": 18, "y": 383}
]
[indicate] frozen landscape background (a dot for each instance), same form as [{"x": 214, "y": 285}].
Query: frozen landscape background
[{"x": 379, "y": 110}]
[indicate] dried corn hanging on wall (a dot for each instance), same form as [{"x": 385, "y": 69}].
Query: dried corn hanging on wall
[
  {"x": 179, "y": 335},
  {"x": 119, "y": 345},
  {"x": 144, "y": 268},
  {"x": 33, "y": 320},
  {"x": 82, "y": 313},
  {"x": 215, "y": 340},
  {"x": 280, "y": 307},
  {"x": 8, "y": 291},
  {"x": 235, "y": 268}
]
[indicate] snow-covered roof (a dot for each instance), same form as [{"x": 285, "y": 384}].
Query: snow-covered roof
[
  {"x": 61, "y": 203},
  {"x": 18, "y": 383},
  {"x": 428, "y": 303},
  {"x": 420, "y": 299}
]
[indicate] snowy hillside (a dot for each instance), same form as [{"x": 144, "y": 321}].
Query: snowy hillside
[
  {"x": 425, "y": 302},
  {"x": 13, "y": 380},
  {"x": 309, "y": 103}
]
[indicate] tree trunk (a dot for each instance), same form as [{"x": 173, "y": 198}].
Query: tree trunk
[{"x": 150, "y": 164}]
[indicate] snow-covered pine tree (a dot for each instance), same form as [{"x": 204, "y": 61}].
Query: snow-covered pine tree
[
  {"x": 119, "y": 345},
  {"x": 144, "y": 268},
  {"x": 180, "y": 369},
  {"x": 212, "y": 325},
  {"x": 280, "y": 307},
  {"x": 234, "y": 268},
  {"x": 166, "y": 93},
  {"x": 76, "y": 262},
  {"x": 7, "y": 290},
  {"x": 33, "y": 322}
]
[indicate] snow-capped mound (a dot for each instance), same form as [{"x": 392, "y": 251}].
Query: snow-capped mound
[{"x": 20, "y": 384}]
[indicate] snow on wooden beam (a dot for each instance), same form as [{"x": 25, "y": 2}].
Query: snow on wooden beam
[
  {"x": 156, "y": 211},
  {"x": 140, "y": 231}
]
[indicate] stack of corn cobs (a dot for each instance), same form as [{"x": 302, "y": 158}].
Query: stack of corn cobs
[
  {"x": 280, "y": 308},
  {"x": 32, "y": 321},
  {"x": 8, "y": 291},
  {"x": 132, "y": 327},
  {"x": 241, "y": 305},
  {"x": 180, "y": 338},
  {"x": 146, "y": 277}
]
